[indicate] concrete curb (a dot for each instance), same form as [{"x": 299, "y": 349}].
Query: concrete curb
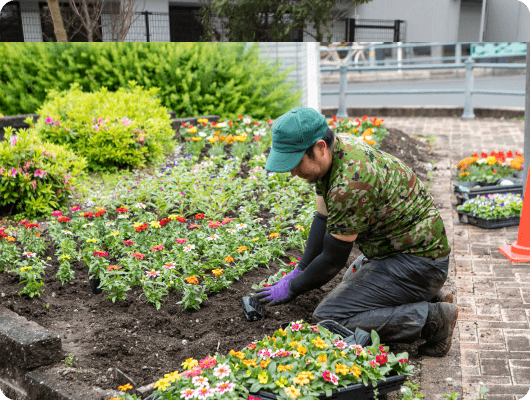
[{"x": 424, "y": 111}]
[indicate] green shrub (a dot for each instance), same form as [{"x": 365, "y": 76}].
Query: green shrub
[
  {"x": 36, "y": 177},
  {"x": 223, "y": 79},
  {"x": 127, "y": 128}
]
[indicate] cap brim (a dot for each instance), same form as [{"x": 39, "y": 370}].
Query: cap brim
[{"x": 283, "y": 162}]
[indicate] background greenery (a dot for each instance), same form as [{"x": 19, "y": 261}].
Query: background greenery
[{"x": 223, "y": 79}]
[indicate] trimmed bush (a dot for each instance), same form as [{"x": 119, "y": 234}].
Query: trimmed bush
[
  {"x": 223, "y": 79},
  {"x": 112, "y": 130},
  {"x": 36, "y": 177}
]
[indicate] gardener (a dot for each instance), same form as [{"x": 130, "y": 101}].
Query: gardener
[{"x": 369, "y": 197}]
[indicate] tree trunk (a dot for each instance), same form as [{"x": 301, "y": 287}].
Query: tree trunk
[{"x": 58, "y": 26}]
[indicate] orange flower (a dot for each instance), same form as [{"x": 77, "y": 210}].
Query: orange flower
[
  {"x": 228, "y": 259},
  {"x": 241, "y": 249},
  {"x": 250, "y": 363},
  {"x": 274, "y": 235},
  {"x": 192, "y": 279},
  {"x": 264, "y": 363},
  {"x": 125, "y": 387},
  {"x": 237, "y": 354},
  {"x": 10, "y": 239},
  {"x": 464, "y": 173},
  {"x": 217, "y": 272}
]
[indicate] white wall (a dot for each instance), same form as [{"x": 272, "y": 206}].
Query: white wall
[
  {"x": 31, "y": 23},
  {"x": 507, "y": 21}
]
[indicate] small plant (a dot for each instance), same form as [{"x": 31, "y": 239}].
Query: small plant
[
  {"x": 452, "y": 396},
  {"x": 69, "y": 361},
  {"x": 193, "y": 296},
  {"x": 482, "y": 391},
  {"x": 493, "y": 206}
]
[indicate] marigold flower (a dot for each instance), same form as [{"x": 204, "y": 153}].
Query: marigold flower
[
  {"x": 192, "y": 280},
  {"x": 228, "y": 259},
  {"x": 237, "y": 354},
  {"x": 217, "y": 272},
  {"x": 241, "y": 249},
  {"x": 274, "y": 235},
  {"x": 124, "y": 388},
  {"x": 355, "y": 371}
]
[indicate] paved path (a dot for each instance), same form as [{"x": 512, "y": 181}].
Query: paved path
[{"x": 492, "y": 341}]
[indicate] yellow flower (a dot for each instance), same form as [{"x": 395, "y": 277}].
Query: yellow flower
[
  {"x": 172, "y": 217},
  {"x": 255, "y": 239},
  {"x": 173, "y": 376},
  {"x": 241, "y": 249},
  {"x": 24, "y": 269},
  {"x": 263, "y": 377},
  {"x": 12, "y": 239},
  {"x": 341, "y": 369},
  {"x": 228, "y": 259},
  {"x": 137, "y": 224},
  {"x": 491, "y": 160},
  {"x": 282, "y": 368},
  {"x": 307, "y": 374},
  {"x": 162, "y": 384},
  {"x": 274, "y": 235},
  {"x": 301, "y": 349},
  {"x": 282, "y": 382},
  {"x": 237, "y": 354},
  {"x": 292, "y": 392},
  {"x": 283, "y": 332},
  {"x": 202, "y": 120},
  {"x": 115, "y": 233},
  {"x": 355, "y": 130},
  {"x": 100, "y": 208},
  {"x": 196, "y": 139},
  {"x": 300, "y": 227},
  {"x": 250, "y": 363},
  {"x": 293, "y": 343},
  {"x": 368, "y": 132},
  {"x": 343, "y": 354},
  {"x": 355, "y": 371},
  {"x": 212, "y": 140},
  {"x": 65, "y": 256},
  {"x": 248, "y": 372},
  {"x": 189, "y": 363},
  {"x": 264, "y": 363},
  {"x": 301, "y": 380},
  {"x": 217, "y": 133},
  {"x": 125, "y": 387},
  {"x": 193, "y": 129},
  {"x": 323, "y": 358},
  {"x": 154, "y": 224},
  {"x": 318, "y": 342},
  {"x": 91, "y": 240},
  {"x": 217, "y": 272}
]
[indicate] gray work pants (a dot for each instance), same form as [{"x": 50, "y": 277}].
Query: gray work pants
[{"x": 389, "y": 296}]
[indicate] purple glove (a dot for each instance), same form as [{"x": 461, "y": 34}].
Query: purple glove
[{"x": 278, "y": 293}]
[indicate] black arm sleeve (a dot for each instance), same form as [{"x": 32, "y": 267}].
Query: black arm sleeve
[
  {"x": 324, "y": 267},
  {"x": 315, "y": 241}
]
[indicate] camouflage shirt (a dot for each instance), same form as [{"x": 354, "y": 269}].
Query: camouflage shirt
[{"x": 373, "y": 194}]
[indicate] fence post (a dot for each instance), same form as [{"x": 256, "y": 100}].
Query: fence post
[
  {"x": 147, "y": 35},
  {"x": 342, "y": 95},
  {"x": 352, "y": 30},
  {"x": 458, "y": 53},
  {"x": 468, "y": 107},
  {"x": 396, "y": 30}
]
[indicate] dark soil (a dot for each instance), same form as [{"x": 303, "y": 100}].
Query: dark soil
[{"x": 145, "y": 343}]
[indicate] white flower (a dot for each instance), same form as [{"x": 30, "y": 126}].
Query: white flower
[
  {"x": 204, "y": 392},
  {"x": 403, "y": 389},
  {"x": 88, "y": 224},
  {"x": 449, "y": 379},
  {"x": 247, "y": 120},
  {"x": 213, "y": 237},
  {"x": 122, "y": 216},
  {"x": 230, "y": 230},
  {"x": 110, "y": 223},
  {"x": 221, "y": 371},
  {"x": 140, "y": 205},
  {"x": 481, "y": 383},
  {"x": 482, "y": 161},
  {"x": 200, "y": 381},
  {"x": 221, "y": 125},
  {"x": 241, "y": 226},
  {"x": 225, "y": 386},
  {"x": 202, "y": 134},
  {"x": 189, "y": 247},
  {"x": 67, "y": 232},
  {"x": 248, "y": 130}
]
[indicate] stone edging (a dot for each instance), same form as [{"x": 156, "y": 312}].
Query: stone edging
[{"x": 425, "y": 111}]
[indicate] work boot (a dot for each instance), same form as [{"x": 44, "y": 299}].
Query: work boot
[
  {"x": 443, "y": 296},
  {"x": 438, "y": 329}
]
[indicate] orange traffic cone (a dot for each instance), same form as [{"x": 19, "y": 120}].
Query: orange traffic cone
[{"x": 519, "y": 251}]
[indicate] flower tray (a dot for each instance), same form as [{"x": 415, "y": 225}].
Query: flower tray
[
  {"x": 354, "y": 392},
  {"x": 465, "y": 190},
  {"x": 487, "y": 223}
]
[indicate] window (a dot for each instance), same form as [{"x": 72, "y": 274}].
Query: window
[
  {"x": 74, "y": 29},
  {"x": 11, "y": 23}
]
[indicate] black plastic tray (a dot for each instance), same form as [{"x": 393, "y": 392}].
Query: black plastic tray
[
  {"x": 465, "y": 191},
  {"x": 354, "y": 392},
  {"x": 487, "y": 223}
]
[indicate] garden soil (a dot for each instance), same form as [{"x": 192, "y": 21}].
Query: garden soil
[{"x": 144, "y": 343}]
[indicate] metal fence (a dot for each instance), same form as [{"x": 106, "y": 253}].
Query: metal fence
[{"x": 180, "y": 24}]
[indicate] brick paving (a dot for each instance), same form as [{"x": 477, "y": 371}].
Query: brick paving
[{"x": 492, "y": 341}]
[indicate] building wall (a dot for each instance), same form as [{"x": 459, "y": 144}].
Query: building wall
[
  {"x": 31, "y": 23},
  {"x": 507, "y": 21},
  {"x": 426, "y": 21},
  {"x": 469, "y": 26}
]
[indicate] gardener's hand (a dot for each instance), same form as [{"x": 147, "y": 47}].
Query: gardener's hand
[{"x": 279, "y": 292}]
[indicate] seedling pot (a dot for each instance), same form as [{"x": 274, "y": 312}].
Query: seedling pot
[{"x": 487, "y": 223}]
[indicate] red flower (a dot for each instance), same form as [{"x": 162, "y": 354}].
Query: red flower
[
  {"x": 227, "y": 220},
  {"x": 164, "y": 221},
  {"x": 87, "y": 215},
  {"x": 365, "y": 118},
  {"x": 111, "y": 267},
  {"x": 138, "y": 255},
  {"x": 200, "y": 216},
  {"x": 24, "y": 222},
  {"x": 382, "y": 349},
  {"x": 269, "y": 121},
  {"x": 484, "y": 155},
  {"x": 475, "y": 155},
  {"x": 256, "y": 123},
  {"x": 121, "y": 210},
  {"x": 403, "y": 360},
  {"x": 284, "y": 273},
  {"x": 63, "y": 219},
  {"x": 100, "y": 253},
  {"x": 31, "y": 225},
  {"x": 240, "y": 116},
  {"x": 334, "y": 118},
  {"x": 159, "y": 247},
  {"x": 207, "y": 362},
  {"x": 230, "y": 123},
  {"x": 382, "y": 359},
  {"x": 494, "y": 171},
  {"x": 266, "y": 285},
  {"x": 214, "y": 224},
  {"x": 257, "y": 138},
  {"x": 501, "y": 154},
  {"x": 181, "y": 219},
  {"x": 141, "y": 227},
  {"x": 100, "y": 213},
  {"x": 128, "y": 242},
  {"x": 494, "y": 154},
  {"x": 518, "y": 154},
  {"x": 509, "y": 154}
]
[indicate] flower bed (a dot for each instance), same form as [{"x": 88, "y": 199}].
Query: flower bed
[
  {"x": 489, "y": 168},
  {"x": 130, "y": 334},
  {"x": 492, "y": 211}
]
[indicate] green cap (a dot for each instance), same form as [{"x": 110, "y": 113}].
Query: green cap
[{"x": 292, "y": 134}]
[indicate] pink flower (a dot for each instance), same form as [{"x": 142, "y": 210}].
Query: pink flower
[
  {"x": 57, "y": 213},
  {"x": 14, "y": 140},
  {"x": 187, "y": 393},
  {"x": 181, "y": 241},
  {"x": 207, "y": 362},
  {"x": 12, "y": 172},
  {"x": 330, "y": 377},
  {"x": 56, "y": 123},
  {"x": 157, "y": 248},
  {"x": 340, "y": 344},
  {"x": 76, "y": 208},
  {"x": 126, "y": 121},
  {"x": 314, "y": 327},
  {"x": 153, "y": 273},
  {"x": 251, "y": 346},
  {"x": 204, "y": 393},
  {"x": 225, "y": 386},
  {"x": 29, "y": 254},
  {"x": 95, "y": 127},
  {"x": 48, "y": 120},
  {"x": 374, "y": 364},
  {"x": 296, "y": 327},
  {"x": 381, "y": 359},
  {"x": 40, "y": 173},
  {"x": 357, "y": 347},
  {"x": 264, "y": 353},
  {"x": 169, "y": 265},
  {"x": 33, "y": 184},
  {"x": 200, "y": 381},
  {"x": 128, "y": 242}
]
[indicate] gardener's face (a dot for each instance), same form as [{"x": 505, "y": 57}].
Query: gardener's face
[{"x": 313, "y": 169}]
